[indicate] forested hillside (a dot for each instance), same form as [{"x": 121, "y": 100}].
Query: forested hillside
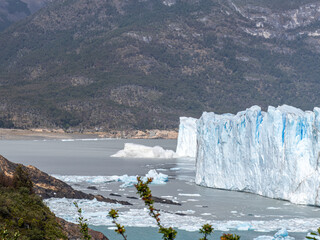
[{"x": 91, "y": 64}]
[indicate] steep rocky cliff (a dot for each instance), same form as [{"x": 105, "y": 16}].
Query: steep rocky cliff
[{"x": 142, "y": 64}]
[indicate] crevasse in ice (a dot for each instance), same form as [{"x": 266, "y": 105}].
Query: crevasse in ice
[
  {"x": 273, "y": 153},
  {"x": 187, "y": 138}
]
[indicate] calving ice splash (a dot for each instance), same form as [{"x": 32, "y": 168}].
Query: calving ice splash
[
  {"x": 273, "y": 153},
  {"x": 186, "y": 146},
  {"x": 132, "y": 150}
]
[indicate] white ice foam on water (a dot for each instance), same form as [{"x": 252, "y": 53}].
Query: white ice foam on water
[
  {"x": 273, "y": 208},
  {"x": 97, "y": 212},
  {"x": 275, "y": 153},
  {"x": 190, "y": 194},
  {"x": 186, "y": 212},
  {"x": 187, "y": 138},
  {"x": 128, "y": 181},
  {"x": 132, "y": 150}
]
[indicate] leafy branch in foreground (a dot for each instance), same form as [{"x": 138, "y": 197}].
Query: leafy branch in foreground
[
  {"x": 316, "y": 235},
  {"x": 229, "y": 237},
  {"x": 6, "y": 235},
  {"x": 145, "y": 193},
  {"x": 120, "y": 229},
  {"x": 206, "y": 229},
  {"x": 84, "y": 230}
]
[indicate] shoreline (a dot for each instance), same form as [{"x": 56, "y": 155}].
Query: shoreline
[{"x": 43, "y": 133}]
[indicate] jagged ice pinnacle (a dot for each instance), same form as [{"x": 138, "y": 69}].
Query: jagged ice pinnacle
[{"x": 187, "y": 138}]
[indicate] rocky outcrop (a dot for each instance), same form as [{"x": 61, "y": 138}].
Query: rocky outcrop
[
  {"x": 73, "y": 233},
  {"x": 47, "y": 186}
]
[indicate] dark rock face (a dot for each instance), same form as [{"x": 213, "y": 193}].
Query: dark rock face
[
  {"x": 47, "y": 186},
  {"x": 164, "y": 201}
]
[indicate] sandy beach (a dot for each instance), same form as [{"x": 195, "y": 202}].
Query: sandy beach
[
  {"x": 22, "y": 134},
  {"x": 29, "y": 134}
]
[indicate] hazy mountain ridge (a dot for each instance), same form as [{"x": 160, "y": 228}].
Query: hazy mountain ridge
[
  {"x": 12, "y": 11},
  {"x": 116, "y": 65}
]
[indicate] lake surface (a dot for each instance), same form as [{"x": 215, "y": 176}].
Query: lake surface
[{"x": 246, "y": 214}]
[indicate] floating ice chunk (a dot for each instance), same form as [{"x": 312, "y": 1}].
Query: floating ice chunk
[
  {"x": 282, "y": 234},
  {"x": 128, "y": 181},
  {"x": 273, "y": 208},
  {"x": 187, "y": 138},
  {"x": 206, "y": 214},
  {"x": 158, "y": 178},
  {"x": 175, "y": 169},
  {"x": 264, "y": 237},
  {"x": 244, "y": 227},
  {"x": 274, "y": 153},
  {"x": 132, "y": 150},
  {"x": 190, "y": 194},
  {"x": 187, "y": 212}
]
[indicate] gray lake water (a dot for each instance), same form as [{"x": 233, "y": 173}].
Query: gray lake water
[{"x": 246, "y": 214}]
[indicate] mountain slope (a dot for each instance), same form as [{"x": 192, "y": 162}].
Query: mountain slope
[
  {"x": 12, "y": 11},
  {"x": 142, "y": 64}
]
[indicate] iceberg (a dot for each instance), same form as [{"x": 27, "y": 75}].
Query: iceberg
[
  {"x": 274, "y": 154},
  {"x": 187, "y": 138},
  {"x": 282, "y": 234},
  {"x": 132, "y": 150}
]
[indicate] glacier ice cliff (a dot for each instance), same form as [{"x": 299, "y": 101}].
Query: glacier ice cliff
[
  {"x": 187, "y": 138},
  {"x": 273, "y": 154}
]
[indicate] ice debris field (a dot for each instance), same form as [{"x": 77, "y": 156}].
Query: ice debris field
[
  {"x": 128, "y": 181},
  {"x": 96, "y": 213}
]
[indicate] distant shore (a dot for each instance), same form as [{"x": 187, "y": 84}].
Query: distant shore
[{"x": 41, "y": 133}]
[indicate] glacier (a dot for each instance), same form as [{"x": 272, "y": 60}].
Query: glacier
[
  {"x": 187, "y": 137},
  {"x": 273, "y": 154}
]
